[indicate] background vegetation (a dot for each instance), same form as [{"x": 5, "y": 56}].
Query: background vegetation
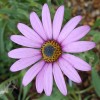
[{"x": 14, "y": 11}]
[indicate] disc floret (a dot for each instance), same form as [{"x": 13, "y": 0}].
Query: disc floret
[{"x": 51, "y": 51}]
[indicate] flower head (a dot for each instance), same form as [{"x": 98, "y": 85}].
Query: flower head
[{"x": 46, "y": 49}]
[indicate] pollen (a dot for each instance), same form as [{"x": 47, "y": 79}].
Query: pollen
[{"x": 51, "y": 51}]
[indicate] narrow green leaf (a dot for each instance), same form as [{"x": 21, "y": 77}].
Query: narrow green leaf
[
  {"x": 2, "y": 29},
  {"x": 96, "y": 81},
  {"x": 25, "y": 91}
]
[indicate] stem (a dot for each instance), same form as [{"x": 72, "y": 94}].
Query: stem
[
  {"x": 10, "y": 79},
  {"x": 74, "y": 95},
  {"x": 70, "y": 82},
  {"x": 83, "y": 91}
]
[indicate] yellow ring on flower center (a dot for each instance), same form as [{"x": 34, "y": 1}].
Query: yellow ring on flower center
[{"x": 51, "y": 51}]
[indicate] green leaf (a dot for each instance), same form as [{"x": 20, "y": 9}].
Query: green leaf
[
  {"x": 96, "y": 35},
  {"x": 96, "y": 24},
  {"x": 12, "y": 26},
  {"x": 88, "y": 97},
  {"x": 2, "y": 29},
  {"x": 67, "y": 14},
  {"x": 96, "y": 81},
  {"x": 25, "y": 91},
  {"x": 3, "y": 97},
  {"x": 9, "y": 12},
  {"x": 3, "y": 84},
  {"x": 56, "y": 95},
  {"x": 96, "y": 38},
  {"x": 93, "y": 32},
  {"x": 59, "y": 2}
]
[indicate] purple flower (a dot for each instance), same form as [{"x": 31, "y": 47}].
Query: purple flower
[{"x": 46, "y": 50}]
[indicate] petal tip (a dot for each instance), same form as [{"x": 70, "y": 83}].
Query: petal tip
[
  {"x": 45, "y": 5},
  {"x": 12, "y": 37},
  {"x": 24, "y": 83},
  {"x": 93, "y": 45},
  {"x": 32, "y": 14},
  {"x": 65, "y": 93},
  {"x": 79, "y": 16},
  {"x": 62, "y": 7},
  {"x": 48, "y": 94},
  {"x": 79, "y": 80},
  {"x": 9, "y": 54},
  {"x": 39, "y": 91},
  {"x": 19, "y": 25},
  {"x": 89, "y": 68},
  {"x": 12, "y": 69},
  {"x": 87, "y": 26}
]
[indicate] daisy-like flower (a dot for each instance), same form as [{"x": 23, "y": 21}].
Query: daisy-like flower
[{"x": 47, "y": 49}]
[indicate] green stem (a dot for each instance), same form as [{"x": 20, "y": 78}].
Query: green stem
[
  {"x": 83, "y": 91},
  {"x": 10, "y": 79},
  {"x": 74, "y": 95}
]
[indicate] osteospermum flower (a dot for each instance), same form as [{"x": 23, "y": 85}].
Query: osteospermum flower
[{"x": 47, "y": 49}]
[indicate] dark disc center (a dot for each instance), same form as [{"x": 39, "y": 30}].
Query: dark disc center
[{"x": 49, "y": 50}]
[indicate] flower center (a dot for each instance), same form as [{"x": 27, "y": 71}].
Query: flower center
[{"x": 51, "y": 51}]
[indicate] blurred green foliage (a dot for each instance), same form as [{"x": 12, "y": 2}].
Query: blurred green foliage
[{"x": 14, "y": 11}]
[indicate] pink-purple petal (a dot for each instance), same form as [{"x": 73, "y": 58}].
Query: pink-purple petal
[
  {"x": 46, "y": 20},
  {"x": 24, "y": 63},
  {"x": 23, "y": 53},
  {"x": 79, "y": 46},
  {"x": 76, "y": 62},
  {"x": 39, "y": 80},
  {"x": 76, "y": 34},
  {"x": 22, "y": 40},
  {"x": 29, "y": 33},
  {"x": 57, "y": 22},
  {"x": 37, "y": 25},
  {"x": 32, "y": 72},
  {"x": 59, "y": 79},
  {"x": 69, "y": 26},
  {"x": 48, "y": 79},
  {"x": 69, "y": 71}
]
